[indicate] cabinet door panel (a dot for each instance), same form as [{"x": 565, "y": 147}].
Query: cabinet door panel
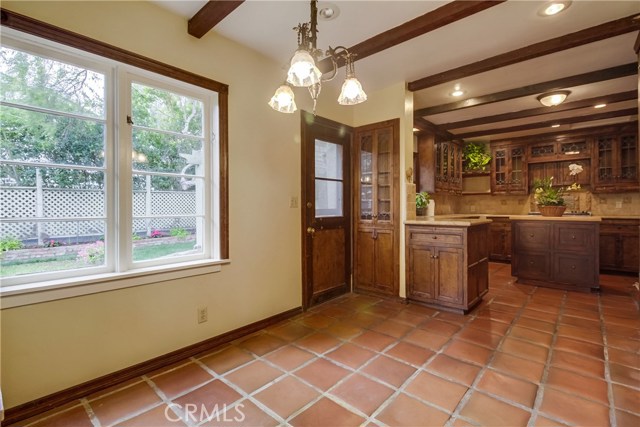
[
  {"x": 630, "y": 256},
  {"x": 364, "y": 259},
  {"x": 421, "y": 274},
  {"x": 449, "y": 272},
  {"x": 383, "y": 261},
  {"x": 608, "y": 250}
]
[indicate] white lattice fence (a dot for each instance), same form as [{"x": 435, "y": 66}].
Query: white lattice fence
[{"x": 20, "y": 202}]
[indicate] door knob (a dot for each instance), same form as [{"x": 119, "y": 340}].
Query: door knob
[
  {"x": 309, "y": 204},
  {"x": 311, "y": 230}
]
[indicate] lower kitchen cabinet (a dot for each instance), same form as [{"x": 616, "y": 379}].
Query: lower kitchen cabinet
[
  {"x": 556, "y": 253},
  {"x": 500, "y": 239},
  {"x": 447, "y": 266},
  {"x": 620, "y": 245}
]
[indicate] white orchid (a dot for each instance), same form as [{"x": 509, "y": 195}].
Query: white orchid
[{"x": 575, "y": 169}]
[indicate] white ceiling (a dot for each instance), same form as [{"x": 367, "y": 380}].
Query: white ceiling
[{"x": 266, "y": 26}]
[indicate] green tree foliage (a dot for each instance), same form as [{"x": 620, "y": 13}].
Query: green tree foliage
[{"x": 34, "y": 136}]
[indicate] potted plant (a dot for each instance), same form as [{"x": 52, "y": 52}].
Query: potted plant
[
  {"x": 422, "y": 201},
  {"x": 475, "y": 157},
  {"x": 548, "y": 198}
]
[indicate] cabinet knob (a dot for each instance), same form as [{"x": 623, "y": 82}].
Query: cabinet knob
[
  {"x": 435, "y": 237},
  {"x": 531, "y": 235},
  {"x": 573, "y": 267},
  {"x": 436, "y": 256},
  {"x": 573, "y": 237},
  {"x": 530, "y": 262}
]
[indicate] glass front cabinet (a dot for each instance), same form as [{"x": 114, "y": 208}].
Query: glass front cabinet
[
  {"x": 615, "y": 163},
  {"x": 508, "y": 169}
]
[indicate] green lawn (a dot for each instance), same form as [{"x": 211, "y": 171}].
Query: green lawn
[{"x": 69, "y": 262}]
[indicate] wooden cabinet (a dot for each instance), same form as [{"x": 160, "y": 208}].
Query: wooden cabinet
[
  {"x": 560, "y": 172},
  {"x": 448, "y": 173},
  {"x": 376, "y": 204},
  {"x": 556, "y": 253},
  {"x": 447, "y": 266},
  {"x": 552, "y": 151},
  {"x": 620, "y": 245},
  {"x": 508, "y": 169},
  {"x": 615, "y": 162},
  {"x": 499, "y": 239}
]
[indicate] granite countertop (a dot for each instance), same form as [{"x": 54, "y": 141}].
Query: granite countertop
[{"x": 449, "y": 220}]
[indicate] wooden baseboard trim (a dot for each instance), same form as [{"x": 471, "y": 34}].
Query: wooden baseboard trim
[{"x": 54, "y": 400}]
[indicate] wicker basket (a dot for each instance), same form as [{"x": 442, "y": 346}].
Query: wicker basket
[{"x": 552, "y": 210}]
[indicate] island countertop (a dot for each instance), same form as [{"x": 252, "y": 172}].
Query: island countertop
[{"x": 467, "y": 220}]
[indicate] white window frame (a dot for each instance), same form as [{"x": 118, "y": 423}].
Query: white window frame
[{"x": 119, "y": 269}]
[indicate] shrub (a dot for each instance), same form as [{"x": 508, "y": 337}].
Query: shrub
[
  {"x": 52, "y": 244},
  {"x": 10, "y": 243},
  {"x": 156, "y": 234},
  {"x": 93, "y": 253},
  {"x": 179, "y": 232}
]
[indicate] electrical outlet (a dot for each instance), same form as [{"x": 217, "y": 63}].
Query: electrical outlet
[
  {"x": 203, "y": 314},
  {"x": 618, "y": 204},
  {"x": 293, "y": 202}
]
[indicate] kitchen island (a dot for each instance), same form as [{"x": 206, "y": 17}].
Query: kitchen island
[
  {"x": 447, "y": 261},
  {"x": 558, "y": 252}
]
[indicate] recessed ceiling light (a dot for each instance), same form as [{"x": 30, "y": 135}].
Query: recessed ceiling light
[
  {"x": 416, "y": 130},
  {"x": 599, "y": 105},
  {"x": 328, "y": 11},
  {"x": 555, "y": 125},
  {"x": 554, "y": 7}
]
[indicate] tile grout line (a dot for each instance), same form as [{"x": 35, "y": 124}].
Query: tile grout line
[
  {"x": 607, "y": 368},
  {"x": 472, "y": 388},
  {"x": 535, "y": 411},
  {"x": 89, "y": 410}
]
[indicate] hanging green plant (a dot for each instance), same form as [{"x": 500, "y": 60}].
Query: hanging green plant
[{"x": 475, "y": 157}]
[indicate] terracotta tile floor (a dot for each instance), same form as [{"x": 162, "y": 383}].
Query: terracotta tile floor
[{"x": 527, "y": 356}]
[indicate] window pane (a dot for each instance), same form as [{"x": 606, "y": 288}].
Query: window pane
[
  {"x": 155, "y": 238},
  {"x": 39, "y": 82},
  {"x": 328, "y": 160},
  {"x": 328, "y": 198},
  {"x": 40, "y": 247},
  {"x": 35, "y": 137},
  {"x": 166, "y": 111},
  {"x": 159, "y": 152}
]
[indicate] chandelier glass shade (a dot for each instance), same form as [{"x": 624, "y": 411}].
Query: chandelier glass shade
[{"x": 304, "y": 71}]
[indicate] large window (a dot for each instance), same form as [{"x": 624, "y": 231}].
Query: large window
[{"x": 104, "y": 168}]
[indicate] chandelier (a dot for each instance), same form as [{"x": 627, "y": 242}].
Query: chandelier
[{"x": 303, "y": 71}]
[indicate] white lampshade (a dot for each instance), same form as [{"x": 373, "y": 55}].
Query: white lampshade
[
  {"x": 351, "y": 92},
  {"x": 283, "y": 100},
  {"x": 552, "y": 99},
  {"x": 303, "y": 71}
]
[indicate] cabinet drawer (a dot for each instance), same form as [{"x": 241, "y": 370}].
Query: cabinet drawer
[
  {"x": 574, "y": 270},
  {"x": 534, "y": 266},
  {"x": 620, "y": 226},
  {"x": 532, "y": 236},
  {"x": 435, "y": 238},
  {"x": 578, "y": 239}
]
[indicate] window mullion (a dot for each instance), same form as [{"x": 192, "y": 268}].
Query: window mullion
[{"x": 125, "y": 190}]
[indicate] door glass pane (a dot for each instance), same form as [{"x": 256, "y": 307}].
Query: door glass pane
[
  {"x": 384, "y": 170},
  {"x": 328, "y": 179},
  {"x": 366, "y": 179}
]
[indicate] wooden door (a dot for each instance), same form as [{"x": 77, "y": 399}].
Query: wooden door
[
  {"x": 421, "y": 275},
  {"x": 449, "y": 275},
  {"x": 326, "y": 209},
  {"x": 608, "y": 251},
  {"x": 517, "y": 170},
  {"x": 629, "y": 252},
  {"x": 499, "y": 170}
]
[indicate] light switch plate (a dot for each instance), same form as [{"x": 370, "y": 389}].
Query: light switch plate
[{"x": 293, "y": 202}]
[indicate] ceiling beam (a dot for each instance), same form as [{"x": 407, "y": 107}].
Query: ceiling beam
[
  {"x": 546, "y": 124},
  {"x": 425, "y": 125},
  {"x": 537, "y": 88},
  {"x": 211, "y": 15},
  {"x": 566, "y": 106},
  {"x": 578, "y": 38},
  {"x": 444, "y": 15}
]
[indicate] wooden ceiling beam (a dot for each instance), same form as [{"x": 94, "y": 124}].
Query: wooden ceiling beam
[
  {"x": 425, "y": 125},
  {"x": 547, "y": 124},
  {"x": 578, "y": 38},
  {"x": 567, "y": 106},
  {"x": 210, "y": 15},
  {"x": 537, "y": 88},
  {"x": 430, "y": 21}
]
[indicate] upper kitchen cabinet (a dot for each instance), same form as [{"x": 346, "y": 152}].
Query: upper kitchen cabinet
[
  {"x": 615, "y": 162},
  {"x": 508, "y": 169},
  {"x": 448, "y": 175}
]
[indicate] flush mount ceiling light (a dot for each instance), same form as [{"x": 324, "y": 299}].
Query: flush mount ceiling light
[
  {"x": 552, "y": 8},
  {"x": 303, "y": 71},
  {"x": 556, "y": 125},
  {"x": 599, "y": 105},
  {"x": 552, "y": 99},
  {"x": 457, "y": 91}
]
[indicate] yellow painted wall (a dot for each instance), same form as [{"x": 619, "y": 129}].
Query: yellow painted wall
[{"x": 51, "y": 346}]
